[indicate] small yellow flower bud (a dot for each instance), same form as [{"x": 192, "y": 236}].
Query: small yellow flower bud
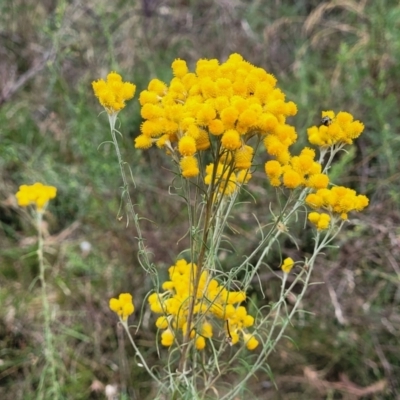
[{"x": 287, "y": 265}]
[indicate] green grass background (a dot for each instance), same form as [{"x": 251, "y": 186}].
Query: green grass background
[{"x": 340, "y": 55}]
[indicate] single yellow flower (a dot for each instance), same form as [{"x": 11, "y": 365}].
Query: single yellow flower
[
  {"x": 200, "y": 342},
  {"x": 250, "y": 340},
  {"x": 167, "y": 338},
  {"x": 287, "y": 265},
  {"x": 189, "y": 166}
]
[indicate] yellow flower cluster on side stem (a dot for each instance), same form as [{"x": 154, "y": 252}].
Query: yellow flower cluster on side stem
[
  {"x": 340, "y": 129},
  {"x": 123, "y": 306},
  {"x": 338, "y": 200},
  {"x": 37, "y": 194},
  {"x": 335, "y": 132},
  {"x": 113, "y": 93},
  {"x": 212, "y": 303}
]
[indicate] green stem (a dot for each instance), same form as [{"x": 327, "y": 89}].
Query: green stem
[
  {"x": 48, "y": 337},
  {"x": 266, "y": 351},
  {"x": 129, "y": 205},
  {"x": 143, "y": 361}
]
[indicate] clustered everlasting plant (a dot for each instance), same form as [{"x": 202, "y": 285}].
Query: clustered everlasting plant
[{"x": 211, "y": 123}]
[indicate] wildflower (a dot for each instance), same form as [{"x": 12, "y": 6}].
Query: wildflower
[
  {"x": 162, "y": 322},
  {"x": 202, "y": 141},
  {"x": 231, "y": 139},
  {"x": 179, "y": 68},
  {"x": 250, "y": 340},
  {"x": 318, "y": 181},
  {"x": 37, "y": 194},
  {"x": 216, "y": 127},
  {"x": 167, "y": 338},
  {"x": 200, "y": 343},
  {"x": 143, "y": 142},
  {"x": 113, "y": 93},
  {"x": 122, "y": 306},
  {"x": 287, "y": 265},
  {"x": 155, "y": 303},
  {"x": 292, "y": 179},
  {"x": 189, "y": 167},
  {"x": 206, "y": 330},
  {"x": 243, "y": 157},
  {"x": 187, "y": 146}
]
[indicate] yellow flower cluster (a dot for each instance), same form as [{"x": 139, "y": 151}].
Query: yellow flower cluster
[
  {"x": 123, "y": 306},
  {"x": 320, "y": 220},
  {"x": 219, "y": 107},
  {"x": 335, "y": 130},
  {"x": 303, "y": 170},
  {"x": 300, "y": 170},
  {"x": 113, "y": 93},
  {"x": 338, "y": 200},
  {"x": 37, "y": 194},
  {"x": 212, "y": 303}
]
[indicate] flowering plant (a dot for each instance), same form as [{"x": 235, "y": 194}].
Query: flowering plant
[{"x": 211, "y": 122}]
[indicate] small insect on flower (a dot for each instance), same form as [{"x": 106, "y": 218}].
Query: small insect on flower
[{"x": 326, "y": 120}]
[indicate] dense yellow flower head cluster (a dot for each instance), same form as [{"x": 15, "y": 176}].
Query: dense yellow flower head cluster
[
  {"x": 338, "y": 200},
  {"x": 300, "y": 170},
  {"x": 113, "y": 93},
  {"x": 304, "y": 171},
  {"x": 219, "y": 107},
  {"x": 37, "y": 194},
  {"x": 123, "y": 306},
  {"x": 212, "y": 303},
  {"x": 335, "y": 130}
]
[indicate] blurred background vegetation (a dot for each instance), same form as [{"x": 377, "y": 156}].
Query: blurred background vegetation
[{"x": 340, "y": 55}]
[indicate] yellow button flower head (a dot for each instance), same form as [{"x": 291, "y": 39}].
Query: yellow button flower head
[
  {"x": 167, "y": 338},
  {"x": 250, "y": 340},
  {"x": 292, "y": 179},
  {"x": 123, "y": 306},
  {"x": 200, "y": 343},
  {"x": 37, "y": 194},
  {"x": 189, "y": 166},
  {"x": 113, "y": 93},
  {"x": 287, "y": 265}
]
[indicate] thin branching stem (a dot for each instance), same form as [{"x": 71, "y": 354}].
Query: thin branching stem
[{"x": 145, "y": 263}]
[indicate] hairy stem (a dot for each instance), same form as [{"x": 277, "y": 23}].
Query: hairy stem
[{"x": 48, "y": 336}]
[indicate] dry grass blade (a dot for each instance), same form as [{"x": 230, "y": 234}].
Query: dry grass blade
[{"x": 316, "y": 17}]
